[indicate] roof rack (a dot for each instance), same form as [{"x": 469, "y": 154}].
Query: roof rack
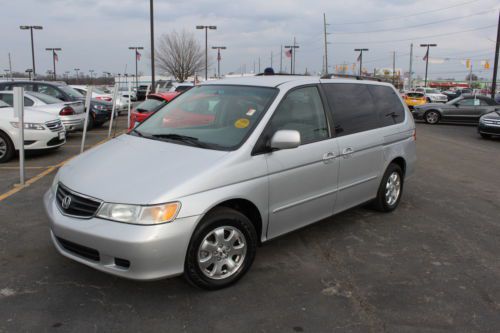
[{"x": 348, "y": 76}]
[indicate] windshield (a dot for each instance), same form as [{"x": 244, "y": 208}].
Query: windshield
[
  {"x": 211, "y": 116},
  {"x": 70, "y": 91},
  {"x": 3, "y": 104},
  {"x": 415, "y": 95},
  {"x": 149, "y": 105},
  {"x": 47, "y": 99},
  {"x": 432, "y": 91},
  {"x": 98, "y": 91}
]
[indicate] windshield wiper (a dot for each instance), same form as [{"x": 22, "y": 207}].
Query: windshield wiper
[
  {"x": 137, "y": 132},
  {"x": 182, "y": 138}
]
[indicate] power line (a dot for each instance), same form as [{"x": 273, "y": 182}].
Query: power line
[
  {"x": 418, "y": 38},
  {"x": 405, "y": 16},
  {"x": 489, "y": 11}
]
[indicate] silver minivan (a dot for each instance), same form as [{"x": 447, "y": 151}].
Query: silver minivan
[{"x": 226, "y": 166}]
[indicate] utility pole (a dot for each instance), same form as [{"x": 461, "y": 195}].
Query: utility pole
[
  {"x": 218, "y": 48},
  {"x": 271, "y": 59},
  {"x": 54, "y": 58},
  {"x": 411, "y": 69},
  {"x": 470, "y": 75},
  {"x": 281, "y": 58},
  {"x": 206, "y": 27},
  {"x": 495, "y": 65},
  {"x": 76, "y": 71},
  {"x": 361, "y": 59},
  {"x": 292, "y": 55},
  {"x": 152, "y": 33},
  {"x": 137, "y": 57},
  {"x": 31, "y": 27},
  {"x": 259, "y": 64},
  {"x": 427, "y": 60},
  {"x": 91, "y": 71},
  {"x": 394, "y": 68},
  {"x": 326, "y": 43},
  {"x": 10, "y": 69}
]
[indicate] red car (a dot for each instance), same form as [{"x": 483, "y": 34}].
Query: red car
[{"x": 149, "y": 106}]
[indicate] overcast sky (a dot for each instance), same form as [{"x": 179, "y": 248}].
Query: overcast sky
[{"x": 95, "y": 34}]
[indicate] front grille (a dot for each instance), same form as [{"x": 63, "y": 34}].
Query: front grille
[
  {"x": 75, "y": 204},
  {"x": 54, "y": 142},
  {"x": 55, "y": 126},
  {"x": 79, "y": 250}
]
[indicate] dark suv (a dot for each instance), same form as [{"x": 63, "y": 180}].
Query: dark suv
[{"x": 100, "y": 111}]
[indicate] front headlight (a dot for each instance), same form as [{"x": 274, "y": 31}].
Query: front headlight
[
  {"x": 30, "y": 126},
  {"x": 147, "y": 215}
]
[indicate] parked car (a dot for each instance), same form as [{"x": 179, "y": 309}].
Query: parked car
[
  {"x": 463, "y": 109},
  {"x": 149, "y": 106},
  {"x": 100, "y": 111},
  {"x": 432, "y": 95},
  {"x": 42, "y": 131},
  {"x": 123, "y": 92},
  {"x": 99, "y": 94},
  {"x": 413, "y": 99},
  {"x": 489, "y": 124},
  {"x": 141, "y": 91},
  {"x": 282, "y": 152},
  {"x": 181, "y": 87},
  {"x": 452, "y": 94},
  {"x": 72, "y": 114}
]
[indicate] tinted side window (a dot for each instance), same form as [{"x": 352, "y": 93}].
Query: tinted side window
[
  {"x": 467, "y": 102},
  {"x": 387, "y": 104},
  {"x": 7, "y": 98},
  {"x": 28, "y": 102},
  {"x": 302, "y": 110},
  {"x": 352, "y": 107}
]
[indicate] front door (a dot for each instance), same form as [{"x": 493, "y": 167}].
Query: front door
[
  {"x": 463, "y": 111},
  {"x": 302, "y": 181}
]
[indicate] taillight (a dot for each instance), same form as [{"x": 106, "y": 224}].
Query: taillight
[
  {"x": 67, "y": 111},
  {"x": 104, "y": 98}
]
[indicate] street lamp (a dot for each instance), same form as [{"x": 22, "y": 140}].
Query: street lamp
[
  {"x": 31, "y": 27},
  {"x": 54, "y": 57},
  {"x": 360, "y": 60},
  {"x": 152, "y": 35},
  {"x": 91, "y": 71},
  {"x": 218, "y": 48},
  {"x": 427, "y": 59},
  {"x": 137, "y": 57},
  {"x": 77, "y": 78},
  {"x": 206, "y": 27},
  {"x": 29, "y": 71}
]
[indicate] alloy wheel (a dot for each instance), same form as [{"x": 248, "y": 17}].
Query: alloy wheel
[
  {"x": 392, "y": 188},
  {"x": 3, "y": 147}
]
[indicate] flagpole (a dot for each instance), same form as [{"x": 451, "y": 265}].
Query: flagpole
[{"x": 427, "y": 60}]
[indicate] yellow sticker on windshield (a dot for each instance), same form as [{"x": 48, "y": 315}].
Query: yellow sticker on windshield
[{"x": 242, "y": 123}]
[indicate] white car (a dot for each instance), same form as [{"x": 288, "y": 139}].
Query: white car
[
  {"x": 181, "y": 87},
  {"x": 41, "y": 131},
  {"x": 99, "y": 94},
  {"x": 72, "y": 114},
  {"x": 432, "y": 95}
]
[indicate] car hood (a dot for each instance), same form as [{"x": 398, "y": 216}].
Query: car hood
[
  {"x": 134, "y": 170},
  {"x": 492, "y": 115},
  {"x": 30, "y": 115}
]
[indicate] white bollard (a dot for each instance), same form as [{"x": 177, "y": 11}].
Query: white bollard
[
  {"x": 128, "y": 114},
  {"x": 115, "y": 94},
  {"x": 19, "y": 114},
  {"x": 88, "y": 99},
  {"x": 147, "y": 91}
]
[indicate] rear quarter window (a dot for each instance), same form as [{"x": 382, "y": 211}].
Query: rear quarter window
[{"x": 387, "y": 104}]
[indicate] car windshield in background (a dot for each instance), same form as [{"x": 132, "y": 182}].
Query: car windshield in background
[
  {"x": 149, "y": 105},
  {"x": 455, "y": 100},
  {"x": 47, "y": 99},
  {"x": 211, "y": 116},
  {"x": 98, "y": 91},
  {"x": 70, "y": 91},
  {"x": 4, "y": 105},
  {"x": 415, "y": 95},
  {"x": 432, "y": 91}
]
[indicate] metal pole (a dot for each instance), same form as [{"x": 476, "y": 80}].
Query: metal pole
[
  {"x": 394, "y": 68},
  {"x": 426, "y": 66},
  {"x": 152, "y": 45},
  {"x": 294, "y": 49},
  {"x": 470, "y": 75},
  {"x": 259, "y": 64},
  {"x": 411, "y": 65},
  {"x": 206, "y": 53},
  {"x": 495, "y": 65},
  {"x": 128, "y": 113},
  {"x": 271, "y": 59},
  {"x": 136, "y": 78},
  {"x": 19, "y": 113},
  {"x": 54, "y": 62},
  {"x": 115, "y": 94},
  {"x": 10, "y": 69},
  {"x": 88, "y": 99},
  {"x": 360, "y": 63},
  {"x": 281, "y": 58},
  {"x": 33, "y": 53},
  {"x": 218, "y": 62},
  {"x": 326, "y": 49}
]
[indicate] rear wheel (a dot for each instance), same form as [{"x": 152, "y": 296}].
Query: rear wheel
[
  {"x": 432, "y": 117},
  {"x": 6, "y": 148},
  {"x": 90, "y": 124},
  {"x": 221, "y": 250},
  {"x": 390, "y": 189}
]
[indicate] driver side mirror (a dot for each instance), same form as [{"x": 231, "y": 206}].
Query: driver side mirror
[{"x": 285, "y": 139}]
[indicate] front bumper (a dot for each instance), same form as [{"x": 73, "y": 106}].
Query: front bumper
[
  {"x": 74, "y": 122},
  {"x": 488, "y": 129},
  {"x": 417, "y": 114},
  {"x": 151, "y": 252}
]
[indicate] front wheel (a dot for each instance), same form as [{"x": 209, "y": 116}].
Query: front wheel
[
  {"x": 390, "y": 189},
  {"x": 6, "y": 148},
  {"x": 432, "y": 117},
  {"x": 221, "y": 250}
]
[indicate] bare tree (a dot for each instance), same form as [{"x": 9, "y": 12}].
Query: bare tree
[{"x": 179, "y": 55}]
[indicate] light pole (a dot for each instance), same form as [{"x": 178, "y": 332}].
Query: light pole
[
  {"x": 427, "y": 59},
  {"x": 54, "y": 57},
  {"x": 292, "y": 49},
  {"x": 29, "y": 71},
  {"x": 218, "y": 48},
  {"x": 91, "y": 71},
  {"x": 137, "y": 57},
  {"x": 360, "y": 60},
  {"x": 77, "y": 78},
  {"x": 152, "y": 33},
  {"x": 66, "y": 75},
  {"x": 206, "y": 27},
  {"x": 31, "y": 27}
]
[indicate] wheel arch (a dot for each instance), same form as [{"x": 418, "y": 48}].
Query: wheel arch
[
  {"x": 8, "y": 137},
  {"x": 401, "y": 162}
]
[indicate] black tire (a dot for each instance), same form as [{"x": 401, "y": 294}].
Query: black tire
[
  {"x": 380, "y": 203},
  {"x": 98, "y": 125},
  {"x": 7, "y": 148},
  {"x": 485, "y": 136},
  {"x": 219, "y": 217},
  {"x": 90, "y": 124},
  {"x": 432, "y": 117}
]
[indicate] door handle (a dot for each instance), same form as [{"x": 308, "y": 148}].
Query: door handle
[
  {"x": 347, "y": 151},
  {"x": 328, "y": 157}
]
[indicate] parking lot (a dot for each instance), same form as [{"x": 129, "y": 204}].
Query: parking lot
[{"x": 433, "y": 265}]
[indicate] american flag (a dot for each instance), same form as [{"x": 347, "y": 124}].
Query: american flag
[
  {"x": 137, "y": 55},
  {"x": 56, "y": 58},
  {"x": 288, "y": 53}
]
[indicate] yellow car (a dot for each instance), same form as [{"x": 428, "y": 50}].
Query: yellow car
[{"x": 413, "y": 99}]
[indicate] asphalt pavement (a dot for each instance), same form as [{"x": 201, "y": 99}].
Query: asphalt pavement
[{"x": 432, "y": 265}]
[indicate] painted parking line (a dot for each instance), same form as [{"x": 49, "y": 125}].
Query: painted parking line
[
  {"x": 16, "y": 167},
  {"x": 42, "y": 174}
]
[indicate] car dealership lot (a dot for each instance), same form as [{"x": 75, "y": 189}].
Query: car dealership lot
[{"x": 430, "y": 266}]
